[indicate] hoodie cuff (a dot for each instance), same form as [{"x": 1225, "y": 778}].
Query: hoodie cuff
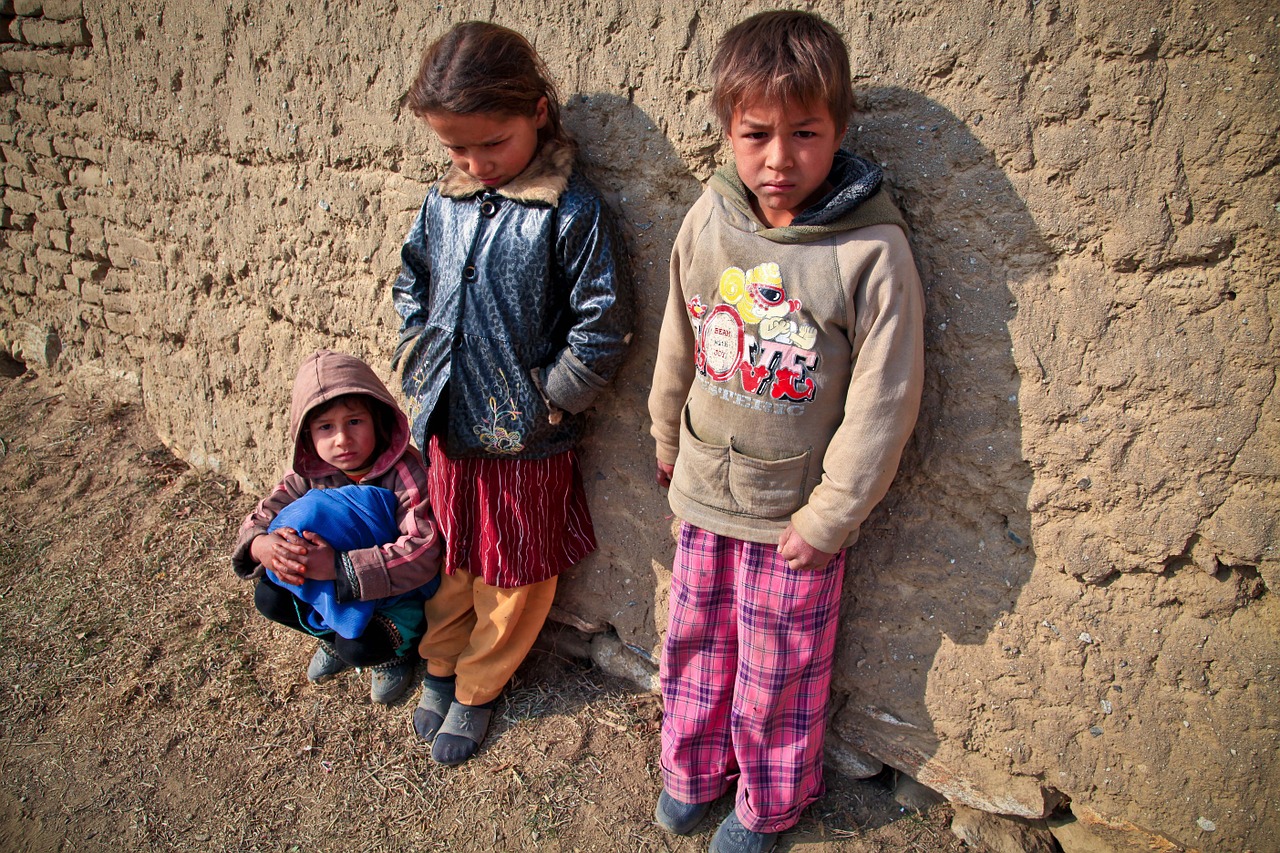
[
  {"x": 346, "y": 586},
  {"x": 666, "y": 453},
  {"x": 813, "y": 530},
  {"x": 242, "y": 562}
]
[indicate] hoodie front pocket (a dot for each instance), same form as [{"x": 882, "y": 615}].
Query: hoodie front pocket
[
  {"x": 720, "y": 477},
  {"x": 768, "y": 488},
  {"x": 702, "y": 470}
]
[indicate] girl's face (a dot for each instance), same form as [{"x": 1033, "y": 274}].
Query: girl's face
[{"x": 493, "y": 148}]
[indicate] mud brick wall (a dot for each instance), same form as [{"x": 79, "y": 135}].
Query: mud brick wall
[
  {"x": 51, "y": 142},
  {"x": 1066, "y": 605}
]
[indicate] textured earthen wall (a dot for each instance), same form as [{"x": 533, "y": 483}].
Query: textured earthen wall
[{"x": 1069, "y": 591}]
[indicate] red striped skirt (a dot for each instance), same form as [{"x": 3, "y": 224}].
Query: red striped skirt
[{"x": 513, "y": 522}]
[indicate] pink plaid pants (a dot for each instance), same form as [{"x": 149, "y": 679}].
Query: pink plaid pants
[{"x": 746, "y": 675}]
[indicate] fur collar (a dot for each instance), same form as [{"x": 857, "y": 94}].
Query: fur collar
[{"x": 542, "y": 181}]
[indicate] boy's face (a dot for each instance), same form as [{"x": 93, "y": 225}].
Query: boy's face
[
  {"x": 344, "y": 435},
  {"x": 783, "y": 154}
]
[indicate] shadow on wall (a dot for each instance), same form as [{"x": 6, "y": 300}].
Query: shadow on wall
[
  {"x": 649, "y": 187},
  {"x": 941, "y": 562}
]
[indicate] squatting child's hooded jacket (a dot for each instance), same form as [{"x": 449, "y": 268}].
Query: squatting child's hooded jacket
[
  {"x": 790, "y": 362},
  {"x": 367, "y": 574}
]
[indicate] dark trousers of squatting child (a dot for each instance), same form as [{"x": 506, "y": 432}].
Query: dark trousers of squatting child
[
  {"x": 377, "y": 645},
  {"x": 746, "y": 677}
]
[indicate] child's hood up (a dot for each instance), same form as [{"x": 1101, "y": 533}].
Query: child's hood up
[{"x": 324, "y": 376}]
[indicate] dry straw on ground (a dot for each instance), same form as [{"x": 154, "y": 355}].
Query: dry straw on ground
[{"x": 146, "y": 706}]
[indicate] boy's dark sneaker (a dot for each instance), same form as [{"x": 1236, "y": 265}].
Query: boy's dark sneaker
[
  {"x": 325, "y": 663},
  {"x": 677, "y": 817},
  {"x": 733, "y": 837}
]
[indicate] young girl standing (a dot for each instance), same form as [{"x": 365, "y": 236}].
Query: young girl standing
[{"x": 515, "y": 309}]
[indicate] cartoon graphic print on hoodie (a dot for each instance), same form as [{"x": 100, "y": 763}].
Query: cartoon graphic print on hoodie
[
  {"x": 367, "y": 574},
  {"x": 807, "y": 361}
]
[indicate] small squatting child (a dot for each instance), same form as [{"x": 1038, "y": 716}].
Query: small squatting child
[
  {"x": 787, "y": 383},
  {"x": 356, "y": 476}
]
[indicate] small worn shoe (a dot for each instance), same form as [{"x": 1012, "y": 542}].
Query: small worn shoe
[
  {"x": 733, "y": 837},
  {"x": 390, "y": 680},
  {"x": 676, "y": 817},
  {"x": 464, "y": 729},
  {"x": 433, "y": 706},
  {"x": 325, "y": 663}
]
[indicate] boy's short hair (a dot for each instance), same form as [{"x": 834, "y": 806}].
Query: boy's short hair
[
  {"x": 783, "y": 56},
  {"x": 352, "y": 399}
]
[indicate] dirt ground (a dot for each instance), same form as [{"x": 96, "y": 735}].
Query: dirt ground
[{"x": 144, "y": 705}]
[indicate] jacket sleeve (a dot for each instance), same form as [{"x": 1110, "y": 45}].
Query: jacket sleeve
[
  {"x": 887, "y": 335},
  {"x": 413, "y": 558},
  {"x": 673, "y": 370},
  {"x": 255, "y": 524},
  {"x": 410, "y": 291},
  {"x": 591, "y": 258}
]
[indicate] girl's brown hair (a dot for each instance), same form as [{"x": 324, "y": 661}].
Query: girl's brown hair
[
  {"x": 782, "y": 57},
  {"x": 479, "y": 67}
]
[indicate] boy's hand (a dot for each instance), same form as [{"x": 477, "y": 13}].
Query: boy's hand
[
  {"x": 297, "y": 557},
  {"x": 664, "y": 473},
  {"x": 316, "y": 560},
  {"x": 799, "y": 554},
  {"x": 278, "y": 553}
]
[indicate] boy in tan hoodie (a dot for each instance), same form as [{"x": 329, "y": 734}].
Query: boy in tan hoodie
[{"x": 787, "y": 383}]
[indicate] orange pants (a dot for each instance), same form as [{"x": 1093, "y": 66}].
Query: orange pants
[{"x": 482, "y": 633}]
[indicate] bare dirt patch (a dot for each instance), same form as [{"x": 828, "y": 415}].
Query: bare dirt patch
[{"x": 145, "y": 706}]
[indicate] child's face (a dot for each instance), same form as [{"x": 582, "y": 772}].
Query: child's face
[
  {"x": 493, "y": 148},
  {"x": 783, "y": 153},
  {"x": 344, "y": 435}
]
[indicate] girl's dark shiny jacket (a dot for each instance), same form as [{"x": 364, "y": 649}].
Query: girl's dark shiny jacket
[{"x": 493, "y": 288}]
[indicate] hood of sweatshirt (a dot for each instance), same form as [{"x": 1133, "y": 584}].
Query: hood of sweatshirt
[
  {"x": 857, "y": 199},
  {"x": 322, "y": 377}
]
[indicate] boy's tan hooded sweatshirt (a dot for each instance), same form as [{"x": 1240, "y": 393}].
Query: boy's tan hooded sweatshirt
[{"x": 790, "y": 361}]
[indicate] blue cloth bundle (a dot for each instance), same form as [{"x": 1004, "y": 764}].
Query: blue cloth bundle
[{"x": 348, "y": 518}]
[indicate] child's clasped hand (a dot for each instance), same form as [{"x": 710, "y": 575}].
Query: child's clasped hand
[{"x": 294, "y": 556}]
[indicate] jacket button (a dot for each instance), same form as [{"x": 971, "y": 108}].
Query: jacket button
[
  {"x": 469, "y": 272},
  {"x": 488, "y": 208}
]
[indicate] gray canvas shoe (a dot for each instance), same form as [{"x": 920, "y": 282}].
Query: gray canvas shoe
[
  {"x": 678, "y": 817},
  {"x": 733, "y": 837},
  {"x": 325, "y": 663},
  {"x": 464, "y": 729},
  {"x": 433, "y": 707},
  {"x": 390, "y": 680}
]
